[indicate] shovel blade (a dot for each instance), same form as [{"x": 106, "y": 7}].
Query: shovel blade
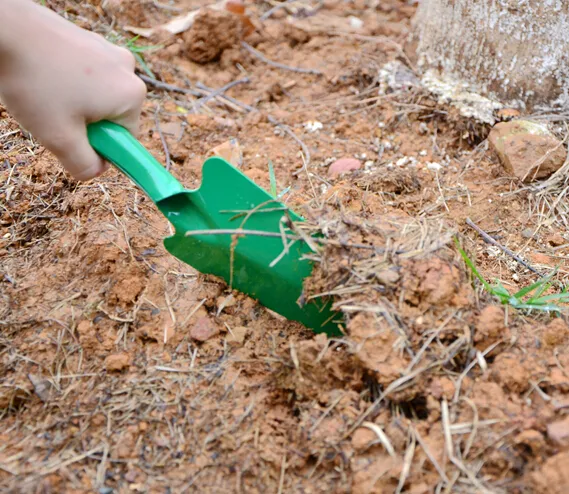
[{"x": 270, "y": 268}]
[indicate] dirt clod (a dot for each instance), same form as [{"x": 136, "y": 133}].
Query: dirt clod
[
  {"x": 203, "y": 329},
  {"x": 556, "y": 333},
  {"x": 491, "y": 327},
  {"x": 553, "y": 476},
  {"x": 117, "y": 362},
  {"x": 511, "y": 373},
  {"x": 363, "y": 438},
  {"x": 212, "y": 32},
  {"x": 237, "y": 335},
  {"x": 558, "y": 432},
  {"x": 556, "y": 240}
]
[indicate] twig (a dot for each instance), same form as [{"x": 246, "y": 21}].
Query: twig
[
  {"x": 287, "y": 130},
  {"x": 162, "y": 139},
  {"x": 168, "y": 87},
  {"x": 277, "y": 65},
  {"x": 219, "y": 92},
  {"x": 507, "y": 251},
  {"x": 282, "y": 478},
  {"x": 270, "y": 12}
]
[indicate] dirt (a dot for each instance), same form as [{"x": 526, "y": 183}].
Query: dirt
[{"x": 124, "y": 370}]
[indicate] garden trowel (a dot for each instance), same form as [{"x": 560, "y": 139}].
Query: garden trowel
[{"x": 228, "y": 227}]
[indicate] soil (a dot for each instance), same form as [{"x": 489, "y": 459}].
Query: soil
[{"x": 124, "y": 370}]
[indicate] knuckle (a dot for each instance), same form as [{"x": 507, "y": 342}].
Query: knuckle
[
  {"x": 126, "y": 56},
  {"x": 138, "y": 89}
]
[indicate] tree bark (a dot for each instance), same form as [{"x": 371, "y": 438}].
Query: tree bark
[{"x": 512, "y": 51}]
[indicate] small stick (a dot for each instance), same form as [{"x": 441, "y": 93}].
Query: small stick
[
  {"x": 219, "y": 92},
  {"x": 168, "y": 87},
  {"x": 270, "y": 12},
  {"x": 507, "y": 251},
  {"x": 262, "y": 233},
  {"x": 287, "y": 130},
  {"x": 162, "y": 139},
  {"x": 277, "y": 65}
]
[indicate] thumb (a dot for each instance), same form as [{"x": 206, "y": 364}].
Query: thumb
[{"x": 77, "y": 155}]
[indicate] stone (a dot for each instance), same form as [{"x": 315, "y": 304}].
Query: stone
[
  {"x": 558, "y": 432},
  {"x": 229, "y": 151},
  {"x": 203, "y": 329},
  {"x": 117, "y": 362},
  {"x": 527, "y": 150},
  {"x": 343, "y": 165}
]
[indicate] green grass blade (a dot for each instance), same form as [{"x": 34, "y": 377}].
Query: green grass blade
[
  {"x": 471, "y": 265},
  {"x": 532, "y": 287},
  {"x": 547, "y": 298}
]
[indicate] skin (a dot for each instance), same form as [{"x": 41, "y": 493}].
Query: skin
[{"x": 55, "y": 78}]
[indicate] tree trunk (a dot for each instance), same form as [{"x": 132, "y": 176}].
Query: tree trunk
[{"x": 512, "y": 51}]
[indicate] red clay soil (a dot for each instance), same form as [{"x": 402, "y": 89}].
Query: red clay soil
[{"x": 124, "y": 370}]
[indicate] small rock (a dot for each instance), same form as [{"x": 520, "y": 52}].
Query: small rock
[
  {"x": 362, "y": 439},
  {"x": 203, "y": 329},
  {"x": 528, "y": 233},
  {"x": 527, "y": 150},
  {"x": 117, "y": 362},
  {"x": 343, "y": 165},
  {"x": 237, "y": 336},
  {"x": 556, "y": 240},
  {"x": 229, "y": 151},
  {"x": 42, "y": 387},
  {"x": 558, "y": 432},
  {"x": 388, "y": 277}
]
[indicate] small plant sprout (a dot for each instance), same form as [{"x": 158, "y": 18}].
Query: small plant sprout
[
  {"x": 529, "y": 298},
  {"x": 136, "y": 50},
  {"x": 273, "y": 180}
]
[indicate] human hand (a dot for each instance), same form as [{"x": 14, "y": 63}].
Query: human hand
[{"x": 55, "y": 78}]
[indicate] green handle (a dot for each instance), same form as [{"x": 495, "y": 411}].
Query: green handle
[{"x": 120, "y": 147}]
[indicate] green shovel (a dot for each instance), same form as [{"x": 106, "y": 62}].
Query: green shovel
[{"x": 228, "y": 227}]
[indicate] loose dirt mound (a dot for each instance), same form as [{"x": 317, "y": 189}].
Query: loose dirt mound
[{"x": 123, "y": 370}]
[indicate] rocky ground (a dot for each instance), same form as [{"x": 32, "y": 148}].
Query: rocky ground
[{"x": 124, "y": 370}]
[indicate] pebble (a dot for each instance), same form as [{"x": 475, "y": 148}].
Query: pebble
[
  {"x": 117, "y": 362},
  {"x": 527, "y": 232},
  {"x": 527, "y": 150},
  {"x": 343, "y": 165},
  {"x": 203, "y": 329},
  {"x": 230, "y": 151},
  {"x": 558, "y": 432}
]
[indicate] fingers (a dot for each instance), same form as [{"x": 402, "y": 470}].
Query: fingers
[
  {"x": 134, "y": 96},
  {"x": 75, "y": 153}
]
